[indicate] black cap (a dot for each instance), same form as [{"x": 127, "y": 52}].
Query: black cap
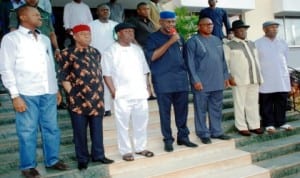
[
  {"x": 239, "y": 24},
  {"x": 123, "y": 25}
]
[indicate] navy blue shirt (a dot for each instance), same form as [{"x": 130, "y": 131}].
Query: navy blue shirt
[
  {"x": 169, "y": 72},
  {"x": 218, "y": 17},
  {"x": 206, "y": 62}
]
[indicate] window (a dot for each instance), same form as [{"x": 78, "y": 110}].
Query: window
[{"x": 289, "y": 30}]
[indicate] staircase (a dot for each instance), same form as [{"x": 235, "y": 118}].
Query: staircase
[{"x": 276, "y": 155}]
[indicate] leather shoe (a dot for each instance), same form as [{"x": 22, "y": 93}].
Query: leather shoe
[
  {"x": 245, "y": 133},
  {"x": 60, "y": 165},
  {"x": 168, "y": 147},
  {"x": 103, "y": 160},
  {"x": 31, "y": 173},
  {"x": 107, "y": 113},
  {"x": 222, "y": 137},
  {"x": 82, "y": 165},
  {"x": 257, "y": 131},
  {"x": 205, "y": 140},
  {"x": 186, "y": 143}
]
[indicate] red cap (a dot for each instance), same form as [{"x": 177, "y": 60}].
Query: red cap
[{"x": 81, "y": 27}]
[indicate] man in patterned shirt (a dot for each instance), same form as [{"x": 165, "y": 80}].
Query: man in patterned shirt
[{"x": 81, "y": 76}]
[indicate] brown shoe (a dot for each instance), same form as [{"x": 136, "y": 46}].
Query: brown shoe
[
  {"x": 258, "y": 131},
  {"x": 245, "y": 133},
  {"x": 31, "y": 173},
  {"x": 60, "y": 165}
]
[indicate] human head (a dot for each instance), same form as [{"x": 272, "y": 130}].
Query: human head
[
  {"x": 29, "y": 17},
  {"x": 212, "y": 3},
  {"x": 82, "y": 35},
  {"x": 103, "y": 12},
  {"x": 271, "y": 29},
  {"x": 125, "y": 32},
  {"x": 167, "y": 21},
  {"x": 32, "y": 3},
  {"x": 78, "y": 1},
  {"x": 143, "y": 9},
  {"x": 239, "y": 29},
  {"x": 205, "y": 26}
]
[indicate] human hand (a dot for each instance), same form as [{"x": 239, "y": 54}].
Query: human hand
[
  {"x": 19, "y": 104},
  {"x": 198, "y": 86}
]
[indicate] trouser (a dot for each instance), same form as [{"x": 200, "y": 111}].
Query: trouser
[
  {"x": 137, "y": 111},
  {"x": 79, "y": 124},
  {"x": 179, "y": 100},
  {"x": 212, "y": 103},
  {"x": 107, "y": 98},
  {"x": 272, "y": 108},
  {"x": 246, "y": 110},
  {"x": 41, "y": 113}
]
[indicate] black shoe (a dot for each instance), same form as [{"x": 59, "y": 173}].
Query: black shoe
[
  {"x": 222, "y": 137},
  {"x": 107, "y": 113},
  {"x": 205, "y": 140},
  {"x": 186, "y": 143},
  {"x": 60, "y": 165},
  {"x": 62, "y": 105},
  {"x": 31, "y": 173},
  {"x": 151, "y": 97},
  {"x": 82, "y": 165},
  {"x": 169, "y": 147},
  {"x": 104, "y": 160}
]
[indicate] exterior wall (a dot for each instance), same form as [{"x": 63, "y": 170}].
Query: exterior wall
[
  {"x": 286, "y": 6},
  {"x": 262, "y": 12}
]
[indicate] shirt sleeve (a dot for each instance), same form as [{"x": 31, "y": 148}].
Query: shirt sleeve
[
  {"x": 66, "y": 16},
  {"x": 64, "y": 66},
  {"x": 227, "y": 51},
  {"x": 106, "y": 63},
  {"x": 226, "y": 22},
  {"x": 150, "y": 48},
  {"x": 7, "y": 64},
  {"x": 190, "y": 50}
]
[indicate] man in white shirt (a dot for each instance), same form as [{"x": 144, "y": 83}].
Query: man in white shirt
[
  {"x": 125, "y": 72},
  {"x": 102, "y": 37},
  {"x": 27, "y": 70},
  {"x": 273, "y": 93},
  {"x": 75, "y": 13}
]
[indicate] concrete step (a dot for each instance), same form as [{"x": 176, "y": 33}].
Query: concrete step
[
  {"x": 296, "y": 175},
  {"x": 283, "y": 165},
  {"x": 248, "y": 171}
]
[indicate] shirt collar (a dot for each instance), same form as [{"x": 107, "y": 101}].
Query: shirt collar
[
  {"x": 27, "y": 31},
  {"x": 238, "y": 39}
]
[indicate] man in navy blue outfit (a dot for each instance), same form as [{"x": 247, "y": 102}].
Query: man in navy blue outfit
[
  {"x": 170, "y": 79},
  {"x": 208, "y": 75},
  {"x": 219, "y": 17}
]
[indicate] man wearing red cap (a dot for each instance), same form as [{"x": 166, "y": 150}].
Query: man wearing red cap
[{"x": 81, "y": 76}]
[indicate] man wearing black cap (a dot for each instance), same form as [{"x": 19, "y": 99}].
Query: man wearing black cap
[
  {"x": 245, "y": 78},
  {"x": 125, "y": 73},
  {"x": 170, "y": 79},
  {"x": 273, "y": 93}
]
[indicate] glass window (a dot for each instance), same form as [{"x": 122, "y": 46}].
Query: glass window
[{"x": 289, "y": 30}]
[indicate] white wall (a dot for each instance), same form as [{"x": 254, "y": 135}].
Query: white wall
[{"x": 286, "y": 6}]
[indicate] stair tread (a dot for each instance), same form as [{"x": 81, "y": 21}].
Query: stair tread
[{"x": 281, "y": 161}]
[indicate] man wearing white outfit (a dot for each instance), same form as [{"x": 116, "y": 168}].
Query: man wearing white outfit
[
  {"x": 125, "y": 73},
  {"x": 245, "y": 78},
  {"x": 273, "y": 93},
  {"x": 102, "y": 37}
]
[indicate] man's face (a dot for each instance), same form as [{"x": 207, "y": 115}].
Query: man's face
[
  {"x": 83, "y": 38},
  {"x": 32, "y": 18},
  {"x": 167, "y": 24},
  {"x": 126, "y": 35},
  {"x": 103, "y": 12},
  {"x": 205, "y": 26},
  {"x": 271, "y": 31},
  {"x": 32, "y": 3},
  {"x": 143, "y": 11},
  {"x": 240, "y": 33},
  {"x": 212, "y": 2}
]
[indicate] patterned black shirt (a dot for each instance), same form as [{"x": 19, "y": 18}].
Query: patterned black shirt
[{"x": 81, "y": 67}]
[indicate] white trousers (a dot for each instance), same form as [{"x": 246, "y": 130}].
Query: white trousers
[
  {"x": 246, "y": 108},
  {"x": 107, "y": 98},
  {"x": 136, "y": 110}
]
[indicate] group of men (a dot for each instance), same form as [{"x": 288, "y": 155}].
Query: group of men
[{"x": 99, "y": 65}]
